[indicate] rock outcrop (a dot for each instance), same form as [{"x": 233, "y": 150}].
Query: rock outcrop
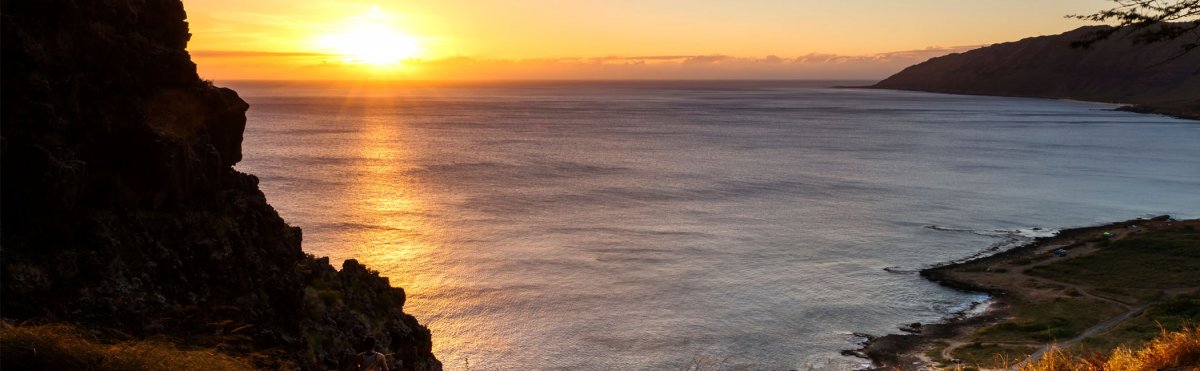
[
  {"x": 1153, "y": 77},
  {"x": 122, "y": 212}
]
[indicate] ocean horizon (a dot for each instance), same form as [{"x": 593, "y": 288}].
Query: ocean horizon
[{"x": 651, "y": 224}]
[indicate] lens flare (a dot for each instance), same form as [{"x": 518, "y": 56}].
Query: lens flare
[{"x": 370, "y": 39}]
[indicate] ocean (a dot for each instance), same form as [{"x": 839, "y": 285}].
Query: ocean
[{"x": 657, "y": 225}]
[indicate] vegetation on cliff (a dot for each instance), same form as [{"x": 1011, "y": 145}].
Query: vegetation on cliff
[
  {"x": 1179, "y": 351},
  {"x": 124, "y": 216},
  {"x": 1152, "y": 77},
  {"x": 65, "y": 347}
]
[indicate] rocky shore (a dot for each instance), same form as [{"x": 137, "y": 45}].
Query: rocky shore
[
  {"x": 1011, "y": 278},
  {"x": 123, "y": 214}
]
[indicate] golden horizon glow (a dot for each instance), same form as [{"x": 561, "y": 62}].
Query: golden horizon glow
[
  {"x": 587, "y": 39},
  {"x": 370, "y": 39}
]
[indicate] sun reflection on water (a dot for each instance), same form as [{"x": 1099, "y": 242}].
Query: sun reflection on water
[{"x": 396, "y": 236}]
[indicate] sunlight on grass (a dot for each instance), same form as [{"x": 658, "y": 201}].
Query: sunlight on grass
[
  {"x": 63, "y": 347},
  {"x": 1178, "y": 350}
]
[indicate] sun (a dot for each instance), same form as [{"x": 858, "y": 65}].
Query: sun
[{"x": 369, "y": 39}]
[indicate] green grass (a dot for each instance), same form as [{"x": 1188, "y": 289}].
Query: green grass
[
  {"x": 1128, "y": 295},
  {"x": 1039, "y": 322},
  {"x": 1168, "y": 259},
  {"x": 991, "y": 355},
  {"x": 935, "y": 351},
  {"x": 1172, "y": 315}
]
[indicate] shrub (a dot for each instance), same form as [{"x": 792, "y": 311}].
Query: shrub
[{"x": 1180, "y": 349}]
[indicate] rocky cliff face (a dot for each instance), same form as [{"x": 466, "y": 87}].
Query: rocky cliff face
[
  {"x": 122, "y": 212},
  {"x": 1117, "y": 70}
]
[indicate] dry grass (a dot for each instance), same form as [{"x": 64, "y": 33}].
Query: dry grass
[
  {"x": 63, "y": 347},
  {"x": 1178, "y": 350}
]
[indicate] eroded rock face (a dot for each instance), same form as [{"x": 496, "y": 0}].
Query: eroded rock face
[
  {"x": 121, "y": 209},
  {"x": 335, "y": 303}
]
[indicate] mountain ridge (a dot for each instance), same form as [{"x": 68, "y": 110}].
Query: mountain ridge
[{"x": 1148, "y": 77}]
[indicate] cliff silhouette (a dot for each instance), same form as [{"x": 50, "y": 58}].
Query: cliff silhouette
[
  {"x": 1150, "y": 77},
  {"x": 122, "y": 212}
]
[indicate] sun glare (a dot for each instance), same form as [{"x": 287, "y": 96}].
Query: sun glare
[{"x": 370, "y": 39}]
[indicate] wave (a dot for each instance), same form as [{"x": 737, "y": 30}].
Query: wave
[{"x": 1006, "y": 240}]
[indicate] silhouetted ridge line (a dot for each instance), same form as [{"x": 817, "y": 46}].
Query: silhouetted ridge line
[{"x": 123, "y": 215}]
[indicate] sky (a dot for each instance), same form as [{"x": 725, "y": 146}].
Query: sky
[{"x": 602, "y": 39}]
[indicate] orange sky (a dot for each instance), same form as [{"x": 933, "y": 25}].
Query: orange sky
[{"x": 601, "y": 39}]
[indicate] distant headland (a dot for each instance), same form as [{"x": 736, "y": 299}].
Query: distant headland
[{"x": 1147, "y": 77}]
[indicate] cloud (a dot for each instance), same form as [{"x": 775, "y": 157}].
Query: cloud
[
  {"x": 652, "y": 57},
  {"x": 667, "y": 66},
  {"x": 938, "y": 50},
  {"x": 252, "y": 54},
  {"x": 707, "y": 59}
]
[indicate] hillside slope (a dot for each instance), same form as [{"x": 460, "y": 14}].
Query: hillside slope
[
  {"x": 122, "y": 212},
  {"x": 1116, "y": 70}
]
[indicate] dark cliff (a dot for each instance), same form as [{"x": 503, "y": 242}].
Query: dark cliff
[
  {"x": 1150, "y": 76},
  {"x": 122, "y": 212}
]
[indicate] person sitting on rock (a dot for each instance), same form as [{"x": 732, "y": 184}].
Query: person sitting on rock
[{"x": 369, "y": 359}]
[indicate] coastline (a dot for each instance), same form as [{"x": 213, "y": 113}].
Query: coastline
[
  {"x": 903, "y": 350},
  {"x": 1181, "y": 110},
  {"x": 1117, "y": 70},
  {"x": 909, "y": 350}
]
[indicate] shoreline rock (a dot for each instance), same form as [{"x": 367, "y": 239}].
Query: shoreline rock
[{"x": 898, "y": 351}]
